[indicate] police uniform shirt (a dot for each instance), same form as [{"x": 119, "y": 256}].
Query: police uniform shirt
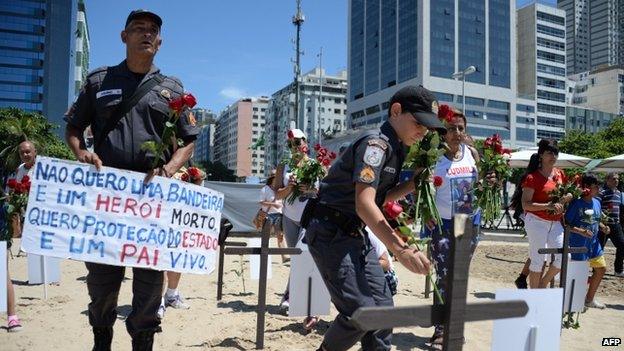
[
  {"x": 100, "y": 96},
  {"x": 375, "y": 158}
]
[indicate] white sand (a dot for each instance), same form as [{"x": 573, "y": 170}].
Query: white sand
[{"x": 60, "y": 322}]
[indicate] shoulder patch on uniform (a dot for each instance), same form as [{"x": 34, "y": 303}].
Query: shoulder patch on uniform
[
  {"x": 367, "y": 175},
  {"x": 378, "y": 142},
  {"x": 97, "y": 70},
  {"x": 373, "y": 155}
]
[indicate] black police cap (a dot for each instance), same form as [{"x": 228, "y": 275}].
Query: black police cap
[
  {"x": 144, "y": 13},
  {"x": 420, "y": 103}
]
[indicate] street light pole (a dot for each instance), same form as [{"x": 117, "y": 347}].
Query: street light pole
[
  {"x": 462, "y": 74},
  {"x": 320, "y": 127}
]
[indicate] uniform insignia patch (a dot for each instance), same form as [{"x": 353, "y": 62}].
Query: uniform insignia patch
[
  {"x": 378, "y": 142},
  {"x": 191, "y": 119},
  {"x": 390, "y": 170},
  {"x": 373, "y": 155},
  {"x": 367, "y": 175},
  {"x": 166, "y": 94},
  {"x": 108, "y": 92}
]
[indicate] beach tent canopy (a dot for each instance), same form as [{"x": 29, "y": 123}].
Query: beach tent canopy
[
  {"x": 611, "y": 164},
  {"x": 520, "y": 159}
]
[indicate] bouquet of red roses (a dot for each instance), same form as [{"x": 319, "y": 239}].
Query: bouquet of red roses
[
  {"x": 425, "y": 155},
  {"x": 563, "y": 188},
  {"x": 176, "y": 106},
  {"x": 493, "y": 161},
  {"x": 17, "y": 200},
  {"x": 307, "y": 171}
]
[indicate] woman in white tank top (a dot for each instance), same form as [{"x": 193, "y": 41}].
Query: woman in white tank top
[{"x": 459, "y": 174}]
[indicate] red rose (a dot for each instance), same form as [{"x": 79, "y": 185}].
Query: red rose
[
  {"x": 194, "y": 172},
  {"x": 12, "y": 183},
  {"x": 586, "y": 191},
  {"x": 25, "y": 179},
  {"x": 177, "y": 104},
  {"x": 507, "y": 151},
  {"x": 189, "y": 100},
  {"x": 498, "y": 148},
  {"x": 291, "y": 135},
  {"x": 317, "y": 147},
  {"x": 445, "y": 113},
  {"x": 326, "y": 162},
  {"x": 19, "y": 188},
  {"x": 26, "y": 187},
  {"x": 185, "y": 177},
  {"x": 322, "y": 152},
  {"x": 392, "y": 209},
  {"x": 332, "y": 155},
  {"x": 438, "y": 181}
]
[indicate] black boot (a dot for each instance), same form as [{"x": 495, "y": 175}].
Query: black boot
[
  {"x": 102, "y": 338},
  {"x": 143, "y": 341}
]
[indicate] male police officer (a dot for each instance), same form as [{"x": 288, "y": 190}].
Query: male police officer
[
  {"x": 363, "y": 178},
  {"x": 127, "y": 105}
]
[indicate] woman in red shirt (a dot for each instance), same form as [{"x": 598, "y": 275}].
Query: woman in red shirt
[{"x": 543, "y": 217}]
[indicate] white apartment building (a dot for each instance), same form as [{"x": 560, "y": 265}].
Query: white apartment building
[
  {"x": 542, "y": 66},
  {"x": 322, "y": 112}
]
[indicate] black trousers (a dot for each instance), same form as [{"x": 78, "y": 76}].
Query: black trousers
[
  {"x": 617, "y": 238},
  {"x": 104, "y": 281}
]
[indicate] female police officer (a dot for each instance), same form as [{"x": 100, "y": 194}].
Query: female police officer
[{"x": 362, "y": 179}]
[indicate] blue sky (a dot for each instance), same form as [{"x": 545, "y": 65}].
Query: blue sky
[{"x": 226, "y": 49}]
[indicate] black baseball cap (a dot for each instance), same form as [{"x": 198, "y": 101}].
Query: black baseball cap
[
  {"x": 422, "y": 104},
  {"x": 144, "y": 13}
]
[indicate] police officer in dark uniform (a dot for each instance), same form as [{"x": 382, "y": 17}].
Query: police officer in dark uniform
[
  {"x": 363, "y": 178},
  {"x": 118, "y": 136}
]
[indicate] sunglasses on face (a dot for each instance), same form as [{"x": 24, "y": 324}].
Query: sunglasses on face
[{"x": 295, "y": 142}]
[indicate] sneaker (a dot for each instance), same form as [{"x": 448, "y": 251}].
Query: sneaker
[
  {"x": 619, "y": 274},
  {"x": 14, "y": 326},
  {"x": 176, "y": 302},
  {"x": 595, "y": 304},
  {"x": 161, "y": 312},
  {"x": 521, "y": 282}
]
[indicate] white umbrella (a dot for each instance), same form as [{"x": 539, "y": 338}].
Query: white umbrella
[
  {"x": 520, "y": 159},
  {"x": 611, "y": 164}
]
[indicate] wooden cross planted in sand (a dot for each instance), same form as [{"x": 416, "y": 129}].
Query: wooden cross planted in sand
[
  {"x": 455, "y": 311},
  {"x": 264, "y": 251},
  {"x": 564, "y": 251}
]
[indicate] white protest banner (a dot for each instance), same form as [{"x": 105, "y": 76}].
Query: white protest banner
[{"x": 112, "y": 217}]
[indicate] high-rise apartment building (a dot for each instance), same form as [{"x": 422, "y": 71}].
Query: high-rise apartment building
[
  {"x": 82, "y": 47},
  {"x": 37, "y": 56},
  {"x": 601, "y": 90},
  {"x": 595, "y": 33},
  {"x": 237, "y": 129},
  {"x": 323, "y": 104},
  {"x": 394, "y": 43},
  {"x": 542, "y": 66},
  {"x": 204, "y": 144}
]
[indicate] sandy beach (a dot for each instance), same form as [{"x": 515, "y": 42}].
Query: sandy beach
[{"x": 60, "y": 322}]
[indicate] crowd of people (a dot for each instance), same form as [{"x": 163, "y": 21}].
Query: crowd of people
[{"x": 339, "y": 217}]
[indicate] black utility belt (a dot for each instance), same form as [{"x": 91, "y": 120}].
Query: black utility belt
[{"x": 349, "y": 224}]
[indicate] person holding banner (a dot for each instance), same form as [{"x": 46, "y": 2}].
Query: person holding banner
[{"x": 126, "y": 106}]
